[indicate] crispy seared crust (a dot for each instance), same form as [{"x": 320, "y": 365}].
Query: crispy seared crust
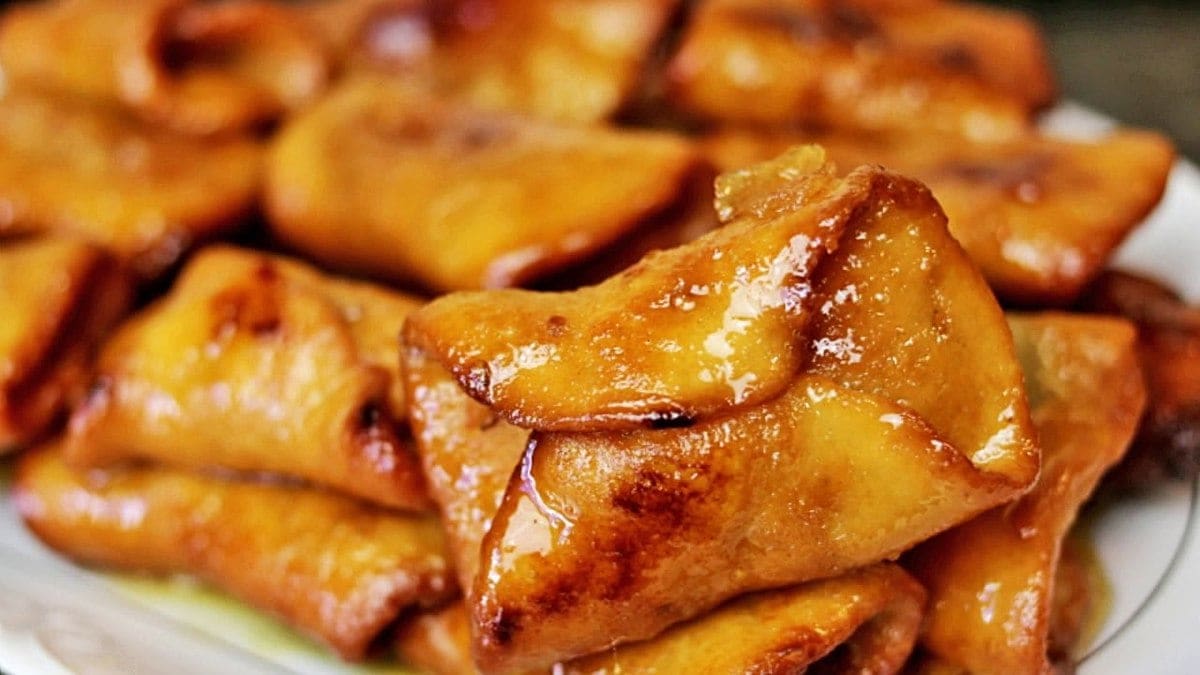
[
  {"x": 57, "y": 298},
  {"x": 862, "y": 64},
  {"x": 1040, "y": 216},
  {"x": 258, "y": 364},
  {"x": 92, "y": 172},
  {"x": 609, "y": 531},
  {"x": 991, "y": 581},
  {"x": 566, "y": 60},
  {"x": 194, "y": 67},
  {"x": 383, "y": 179},
  {"x": 865, "y": 621},
  {"x": 333, "y": 567}
]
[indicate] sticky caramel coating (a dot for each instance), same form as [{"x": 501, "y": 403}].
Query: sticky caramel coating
[
  {"x": 333, "y": 567},
  {"x": 991, "y": 581},
  {"x": 1040, "y": 216},
  {"x": 863, "y": 64},
  {"x": 57, "y": 298},
  {"x": 91, "y": 172},
  {"x": 258, "y": 364},
  {"x": 468, "y": 454},
  {"x": 610, "y": 532},
  {"x": 567, "y": 60},
  {"x": 200, "y": 68},
  {"x": 681, "y": 335},
  {"x": 863, "y": 621},
  {"x": 382, "y": 179}
]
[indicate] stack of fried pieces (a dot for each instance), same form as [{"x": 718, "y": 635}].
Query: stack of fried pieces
[{"x": 613, "y": 423}]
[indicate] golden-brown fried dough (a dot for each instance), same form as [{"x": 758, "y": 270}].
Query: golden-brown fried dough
[
  {"x": 1168, "y": 440},
  {"x": 382, "y": 179},
  {"x": 57, "y": 298},
  {"x": 831, "y": 332},
  {"x": 566, "y": 60},
  {"x": 333, "y": 567},
  {"x": 258, "y": 364},
  {"x": 862, "y": 64},
  {"x": 1040, "y": 216},
  {"x": 991, "y": 580},
  {"x": 865, "y": 621},
  {"x": 468, "y": 453},
  {"x": 195, "y": 67},
  {"x": 92, "y": 172}
]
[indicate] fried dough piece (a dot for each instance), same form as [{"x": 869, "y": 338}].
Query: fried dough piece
[
  {"x": 863, "y": 622},
  {"x": 610, "y": 532},
  {"x": 991, "y": 580},
  {"x": 57, "y": 299},
  {"x": 468, "y": 454},
  {"x": 258, "y": 364},
  {"x": 94, "y": 173},
  {"x": 1040, "y": 216},
  {"x": 196, "y": 67},
  {"x": 566, "y": 60},
  {"x": 862, "y": 64},
  {"x": 1168, "y": 441},
  {"x": 383, "y": 179},
  {"x": 333, "y": 567}
]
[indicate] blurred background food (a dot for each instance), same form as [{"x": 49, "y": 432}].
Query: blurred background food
[{"x": 1138, "y": 61}]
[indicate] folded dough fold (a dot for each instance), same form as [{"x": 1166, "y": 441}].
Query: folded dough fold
[
  {"x": 901, "y": 413},
  {"x": 258, "y": 364}
]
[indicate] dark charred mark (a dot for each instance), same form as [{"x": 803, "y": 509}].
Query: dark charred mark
[
  {"x": 1021, "y": 177},
  {"x": 267, "y": 273},
  {"x": 654, "y": 494},
  {"x": 368, "y": 417},
  {"x": 958, "y": 58},
  {"x": 250, "y": 307},
  {"x": 840, "y": 23},
  {"x": 557, "y": 325},
  {"x": 671, "y": 419},
  {"x": 483, "y": 134},
  {"x": 503, "y": 626}
]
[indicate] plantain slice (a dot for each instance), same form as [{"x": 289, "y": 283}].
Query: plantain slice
[
  {"x": 566, "y": 60},
  {"x": 864, "y": 621},
  {"x": 609, "y": 532},
  {"x": 335, "y": 568},
  {"x": 862, "y": 64},
  {"x": 57, "y": 299},
  {"x": 195, "y": 67},
  {"x": 1040, "y": 216},
  {"x": 91, "y": 172},
  {"x": 258, "y": 364},
  {"x": 991, "y": 580},
  {"x": 383, "y": 179}
]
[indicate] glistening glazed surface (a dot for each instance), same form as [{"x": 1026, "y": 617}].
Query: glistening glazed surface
[{"x": 1150, "y": 549}]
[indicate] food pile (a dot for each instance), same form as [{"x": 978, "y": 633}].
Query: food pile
[{"x": 582, "y": 336}]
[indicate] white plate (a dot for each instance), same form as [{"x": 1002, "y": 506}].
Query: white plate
[{"x": 57, "y": 618}]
